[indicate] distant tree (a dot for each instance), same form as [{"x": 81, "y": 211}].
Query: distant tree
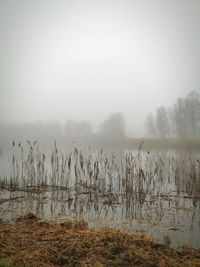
[
  {"x": 180, "y": 118},
  {"x": 84, "y": 130},
  {"x": 78, "y": 130},
  {"x": 70, "y": 129},
  {"x": 162, "y": 122},
  {"x": 150, "y": 125},
  {"x": 192, "y": 105},
  {"x": 53, "y": 129},
  {"x": 172, "y": 126},
  {"x": 187, "y": 116},
  {"x": 113, "y": 128}
]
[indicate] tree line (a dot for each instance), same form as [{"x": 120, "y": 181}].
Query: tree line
[
  {"x": 111, "y": 129},
  {"x": 181, "y": 120}
]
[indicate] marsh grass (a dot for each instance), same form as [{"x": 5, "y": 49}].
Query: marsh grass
[
  {"x": 138, "y": 185},
  {"x": 141, "y": 183},
  {"x": 35, "y": 242},
  {"x": 139, "y": 173}
]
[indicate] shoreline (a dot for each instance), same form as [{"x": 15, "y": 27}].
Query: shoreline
[{"x": 31, "y": 241}]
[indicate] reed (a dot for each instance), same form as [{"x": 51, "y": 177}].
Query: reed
[{"x": 141, "y": 173}]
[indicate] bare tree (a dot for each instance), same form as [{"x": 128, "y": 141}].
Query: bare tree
[
  {"x": 187, "y": 116},
  {"x": 150, "y": 125},
  {"x": 180, "y": 118},
  {"x": 113, "y": 128},
  {"x": 78, "y": 130},
  {"x": 192, "y": 105},
  {"x": 162, "y": 122}
]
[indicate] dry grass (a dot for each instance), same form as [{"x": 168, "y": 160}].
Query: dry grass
[
  {"x": 98, "y": 172},
  {"x": 33, "y": 242}
]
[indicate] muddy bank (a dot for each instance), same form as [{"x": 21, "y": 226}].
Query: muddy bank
[{"x": 34, "y": 242}]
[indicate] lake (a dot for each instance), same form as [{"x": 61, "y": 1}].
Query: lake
[{"x": 154, "y": 192}]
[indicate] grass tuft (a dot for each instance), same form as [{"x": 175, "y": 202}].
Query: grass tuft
[{"x": 72, "y": 243}]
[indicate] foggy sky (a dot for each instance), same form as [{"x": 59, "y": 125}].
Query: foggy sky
[{"x": 86, "y": 59}]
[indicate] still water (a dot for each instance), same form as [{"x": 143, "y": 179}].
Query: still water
[{"x": 157, "y": 193}]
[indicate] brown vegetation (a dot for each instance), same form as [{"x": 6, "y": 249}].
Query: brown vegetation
[{"x": 33, "y": 242}]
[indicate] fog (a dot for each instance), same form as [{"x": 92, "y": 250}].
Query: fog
[{"x": 85, "y": 60}]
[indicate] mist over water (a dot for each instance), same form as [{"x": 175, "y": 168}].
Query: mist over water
[
  {"x": 100, "y": 114},
  {"x": 76, "y": 60}
]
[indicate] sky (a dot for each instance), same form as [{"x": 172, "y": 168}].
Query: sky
[{"x": 84, "y": 60}]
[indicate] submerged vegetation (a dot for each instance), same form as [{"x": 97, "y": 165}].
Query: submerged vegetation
[
  {"x": 129, "y": 191},
  {"x": 34, "y": 242},
  {"x": 95, "y": 171}
]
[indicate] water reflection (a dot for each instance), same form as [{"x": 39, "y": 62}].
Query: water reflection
[{"x": 158, "y": 193}]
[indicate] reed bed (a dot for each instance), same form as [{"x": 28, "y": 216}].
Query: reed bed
[
  {"x": 140, "y": 188},
  {"x": 34, "y": 242},
  {"x": 85, "y": 181},
  {"x": 139, "y": 174}
]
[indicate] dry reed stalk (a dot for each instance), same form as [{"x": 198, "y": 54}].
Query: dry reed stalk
[{"x": 33, "y": 242}]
